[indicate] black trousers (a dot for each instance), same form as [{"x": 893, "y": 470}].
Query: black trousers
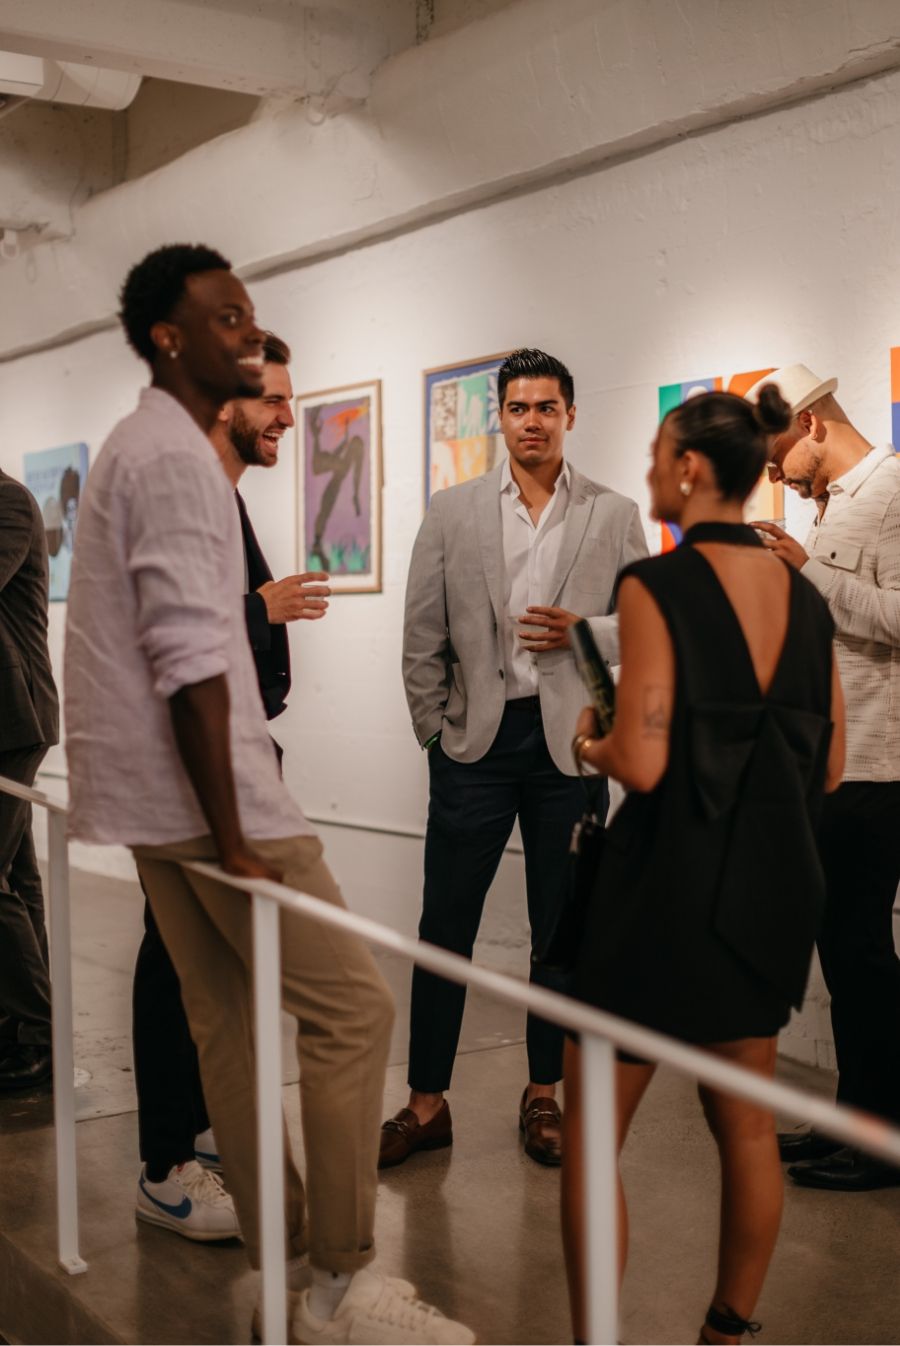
[
  {"x": 24, "y": 963},
  {"x": 860, "y": 849},
  {"x": 472, "y": 808},
  {"x": 171, "y": 1108}
]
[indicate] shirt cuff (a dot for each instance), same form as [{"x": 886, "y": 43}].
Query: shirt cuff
[
  {"x": 200, "y": 668},
  {"x": 818, "y": 573}
]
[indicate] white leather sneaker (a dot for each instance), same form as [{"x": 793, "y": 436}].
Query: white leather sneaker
[
  {"x": 297, "y": 1275},
  {"x": 191, "y": 1201},
  {"x": 373, "y": 1311}
]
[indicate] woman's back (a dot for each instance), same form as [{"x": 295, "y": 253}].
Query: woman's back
[
  {"x": 708, "y": 896},
  {"x": 758, "y": 588}
]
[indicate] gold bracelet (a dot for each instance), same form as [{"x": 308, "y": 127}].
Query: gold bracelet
[{"x": 579, "y": 743}]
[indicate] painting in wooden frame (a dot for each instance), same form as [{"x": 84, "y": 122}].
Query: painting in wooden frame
[{"x": 339, "y": 485}]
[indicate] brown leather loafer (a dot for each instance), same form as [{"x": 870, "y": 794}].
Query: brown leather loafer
[
  {"x": 403, "y": 1134},
  {"x": 539, "y": 1122}
]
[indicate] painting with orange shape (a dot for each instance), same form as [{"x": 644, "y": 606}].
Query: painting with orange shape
[
  {"x": 767, "y": 500},
  {"x": 895, "y": 397}
]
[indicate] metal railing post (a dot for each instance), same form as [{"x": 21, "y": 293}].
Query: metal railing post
[
  {"x": 601, "y": 1197},
  {"x": 60, "y": 939},
  {"x": 270, "y": 1138}
]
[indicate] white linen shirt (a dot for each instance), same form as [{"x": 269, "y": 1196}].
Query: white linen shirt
[
  {"x": 530, "y": 553},
  {"x": 155, "y": 604},
  {"x": 854, "y": 552}
]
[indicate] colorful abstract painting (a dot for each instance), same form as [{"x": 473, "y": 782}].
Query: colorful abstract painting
[
  {"x": 339, "y": 484},
  {"x": 56, "y": 477},
  {"x": 767, "y": 501},
  {"x": 462, "y": 422},
  {"x": 895, "y": 398}
]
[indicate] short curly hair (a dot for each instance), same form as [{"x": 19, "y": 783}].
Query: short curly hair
[{"x": 154, "y": 286}]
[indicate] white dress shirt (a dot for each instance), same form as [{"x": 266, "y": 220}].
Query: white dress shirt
[
  {"x": 155, "y": 604},
  {"x": 530, "y": 553},
  {"x": 854, "y": 552}
]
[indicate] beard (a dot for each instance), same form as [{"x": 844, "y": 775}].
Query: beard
[{"x": 245, "y": 440}]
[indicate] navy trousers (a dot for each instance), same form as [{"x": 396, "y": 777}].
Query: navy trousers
[
  {"x": 859, "y": 844},
  {"x": 472, "y": 809}
]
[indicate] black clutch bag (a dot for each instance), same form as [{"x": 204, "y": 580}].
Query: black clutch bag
[{"x": 558, "y": 951}]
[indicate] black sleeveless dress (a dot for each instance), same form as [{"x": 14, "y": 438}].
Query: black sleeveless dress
[{"x": 710, "y": 890}]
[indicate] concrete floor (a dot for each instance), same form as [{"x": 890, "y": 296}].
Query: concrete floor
[{"x": 475, "y": 1227}]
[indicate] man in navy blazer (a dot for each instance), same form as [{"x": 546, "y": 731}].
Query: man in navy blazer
[
  {"x": 173, "y": 1123},
  {"x": 29, "y": 724}
]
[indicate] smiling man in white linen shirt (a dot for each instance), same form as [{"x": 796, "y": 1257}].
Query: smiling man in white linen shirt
[
  {"x": 501, "y": 568},
  {"x": 852, "y": 555},
  {"x": 169, "y": 753}
]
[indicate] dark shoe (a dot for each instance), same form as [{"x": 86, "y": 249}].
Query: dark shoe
[
  {"x": 539, "y": 1122},
  {"x": 796, "y": 1146},
  {"x": 25, "y": 1067},
  {"x": 403, "y": 1134},
  {"x": 728, "y": 1324},
  {"x": 846, "y": 1171}
]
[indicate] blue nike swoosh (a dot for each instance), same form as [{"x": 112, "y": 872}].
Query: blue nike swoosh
[{"x": 181, "y": 1211}]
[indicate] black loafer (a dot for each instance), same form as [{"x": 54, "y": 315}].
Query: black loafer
[
  {"x": 25, "y": 1067},
  {"x": 847, "y": 1171},
  {"x": 796, "y": 1146}
]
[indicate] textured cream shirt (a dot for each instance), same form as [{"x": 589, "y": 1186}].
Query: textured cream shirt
[
  {"x": 156, "y": 604},
  {"x": 854, "y": 552},
  {"x": 530, "y": 553}
]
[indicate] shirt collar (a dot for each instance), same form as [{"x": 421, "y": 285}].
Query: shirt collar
[
  {"x": 850, "y": 482},
  {"x": 508, "y": 482}
]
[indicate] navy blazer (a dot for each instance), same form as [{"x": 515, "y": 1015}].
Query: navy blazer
[
  {"x": 29, "y": 710},
  {"x": 268, "y": 642}
]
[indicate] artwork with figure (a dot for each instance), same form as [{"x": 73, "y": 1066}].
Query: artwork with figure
[
  {"x": 767, "y": 501},
  {"x": 55, "y": 478},
  {"x": 339, "y": 481},
  {"x": 462, "y": 422}
]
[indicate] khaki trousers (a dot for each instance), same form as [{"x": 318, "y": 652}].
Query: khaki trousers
[{"x": 344, "y": 1014}]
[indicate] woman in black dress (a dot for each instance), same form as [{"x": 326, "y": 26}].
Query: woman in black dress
[{"x": 729, "y": 728}]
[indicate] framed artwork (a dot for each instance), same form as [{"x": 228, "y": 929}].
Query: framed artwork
[
  {"x": 55, "y": 478},
  {"x": 895, "y": 398},
  {"x": 767, "y": 501},
  {"x": 339, "y": 486},
  {"x": 462, "y": 422}
]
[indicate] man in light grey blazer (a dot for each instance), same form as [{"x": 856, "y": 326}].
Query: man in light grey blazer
[
  {"x": 29, "y": 724},
  {"x": 502, "y": 567}
]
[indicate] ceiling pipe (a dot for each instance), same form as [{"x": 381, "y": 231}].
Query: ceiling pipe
[{"x": 31, "y": 77}]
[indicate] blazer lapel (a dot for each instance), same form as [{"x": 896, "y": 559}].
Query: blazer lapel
[
  {"x": 489, "y": 526},
  {"x": 581, "y": 503}
]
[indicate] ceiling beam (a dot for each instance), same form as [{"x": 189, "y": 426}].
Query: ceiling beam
[{"x": 270, "y": 48}]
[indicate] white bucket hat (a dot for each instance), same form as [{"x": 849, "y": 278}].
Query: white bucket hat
[{"x": 799, "y": 387}]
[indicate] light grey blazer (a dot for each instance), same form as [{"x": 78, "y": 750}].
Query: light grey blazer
[{"x": 453, "y": 661}]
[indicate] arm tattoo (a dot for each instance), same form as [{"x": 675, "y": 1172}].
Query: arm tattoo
[{"x": 657, "y": 712}]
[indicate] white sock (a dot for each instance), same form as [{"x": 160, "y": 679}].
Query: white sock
[{"x": 326, "y": 1292}]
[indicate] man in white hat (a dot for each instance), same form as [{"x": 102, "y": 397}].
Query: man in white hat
[{"x": 852, "y": 556}]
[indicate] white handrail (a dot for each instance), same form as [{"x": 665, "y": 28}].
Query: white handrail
[{"x": 600, "y": 1033}]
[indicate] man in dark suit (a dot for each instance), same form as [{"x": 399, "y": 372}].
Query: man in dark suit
[
  {"x": 173, "y": 1122},
  {"x": 29, "y": 724}
]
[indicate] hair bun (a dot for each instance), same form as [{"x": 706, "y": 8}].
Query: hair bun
[{"x": 773, "y": 414}]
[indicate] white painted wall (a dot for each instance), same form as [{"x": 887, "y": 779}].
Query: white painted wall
[{"x": 764, "y": 242}]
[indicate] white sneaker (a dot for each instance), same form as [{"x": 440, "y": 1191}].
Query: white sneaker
[
  {"x": 297, "y": 1276},
  {"x": 374, "y": 1311},
  {"x": 206, "y": 1151},
  {"x": 191, "y": 1201}
]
